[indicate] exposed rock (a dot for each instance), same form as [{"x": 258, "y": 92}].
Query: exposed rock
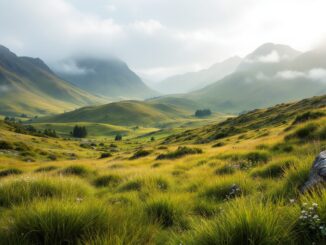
[{"x": 317, "y": 173}]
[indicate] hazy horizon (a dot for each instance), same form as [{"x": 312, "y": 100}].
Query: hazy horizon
[{"x": 157, "y": 38}]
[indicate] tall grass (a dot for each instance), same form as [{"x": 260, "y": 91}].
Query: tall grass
[{"x": 24, "y": 190}]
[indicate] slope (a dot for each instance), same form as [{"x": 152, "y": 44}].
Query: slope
[
  {"x": 107, "y": 77},
  {"x": 28, "y": 86},
  {"x": 196, "y": 80}
]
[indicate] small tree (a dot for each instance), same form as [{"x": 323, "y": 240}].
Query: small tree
[
  {"x": 79, "y": 132},
  {"x": 118, "y": 137},
  {"x": 203, "y": 113}
]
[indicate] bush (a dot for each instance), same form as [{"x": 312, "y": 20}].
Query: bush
[
  {"x": 310, "y": 115},
  {"x": 4, "y": 145},
  {"x": 257, "y": 157},
  {"x": 77, "y": 170},
  {"x": 180, "y": 152},
  {"x": 139, "y": 154},
  {"x": 223, "y": 191},
  {"x": 205, "y": 209},
  {"x": 246, "y": 223},
  {"x": 274, "y": 170},
  {"x": 10, "y": 171},
  {"x": 218, "y": 144},
  {"x": 306, "y": 132},
  {"x": 133, "y": 185},
  {"x": 45, "y": 169},
  {"x": 164, "y": 213},
  {"x": 57, "y": 222},
  {"x": 24, "y": 190},
  {"x": 105, "y": 155},
  {"x": 107, "y": 180},
  {"x": 226, "y": 169}
]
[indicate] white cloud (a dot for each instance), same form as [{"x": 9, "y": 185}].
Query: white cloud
[
  {"x": 148, "y": 27},
  {"x": 315, "y": 74},
  {"x": 158, "y": 33},
  {"x": 272, "y": 57},
  {"x": 289, "y": 75}
]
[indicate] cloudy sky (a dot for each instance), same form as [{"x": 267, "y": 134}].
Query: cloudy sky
[{"x": 158, "y": 38}]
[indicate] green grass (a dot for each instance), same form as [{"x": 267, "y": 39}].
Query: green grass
[
  {"x": 57, "y": 222},
  {"x": 26, "y": 189},
  {"x": 180, "y": 152}
]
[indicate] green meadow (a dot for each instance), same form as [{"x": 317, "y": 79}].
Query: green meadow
[{"x": 158, "y": 186}]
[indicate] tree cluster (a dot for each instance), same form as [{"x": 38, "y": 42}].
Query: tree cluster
[
  {"x": 203, "y": 113},
  {"x": 79, "y": 132}
]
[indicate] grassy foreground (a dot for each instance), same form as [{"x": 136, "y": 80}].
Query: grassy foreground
[{"x": 242, "y": 188}]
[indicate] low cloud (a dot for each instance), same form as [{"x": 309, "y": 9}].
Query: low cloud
[
  {"x": 315, "y": 74},
  {"x": 70, "y": 67}
]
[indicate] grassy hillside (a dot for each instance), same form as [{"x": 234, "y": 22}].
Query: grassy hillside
[
  {"x": 255, "y": 120},
  {"x": 28, "y": 86},
  {"x": 244, "y": 191},
  {"x": 127, "y": 113}
]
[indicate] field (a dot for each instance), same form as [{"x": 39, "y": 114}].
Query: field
[{"x": 238, "y": 187}]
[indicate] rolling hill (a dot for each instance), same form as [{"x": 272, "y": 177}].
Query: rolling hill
[
  {"x": 196, "y": 80},
  {"x": 267, "y": 118},
  {"x": 28, "y": 86},
  {"x": 109, "y": 77},
  {"x": 126, "y": 113}
]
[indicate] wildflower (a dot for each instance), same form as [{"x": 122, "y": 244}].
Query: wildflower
[
  {"x": 292, "y": 200},
  {"x": 315, "y": 205}
]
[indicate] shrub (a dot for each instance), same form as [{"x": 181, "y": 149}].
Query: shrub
[
  {"x": 4, "y": 145},
  {"x": 10, "y": 171},
  {"x": 24, "y": 190},
  {"x": 205, "y": 209},
  {"x": 132, "y": 185},
  {"x": 105, "y": 155},
  {"x": 306, "y": 132},
  {"x": 139, "y": 154},
  {"x": 226, "y": 169},
  {"x": 164, "y": 213},
  {"x": 58, "y": 222},
  {"x": 45, "y": 169},
  {"x": 223, "y": 191},
  {"x": 310, "y": 115},
  {"x": 273, "y": 170},
  {"x": 107, "y": 180},
  {"x": 247, "y": 223},
  {"x": 218, "y": 144},
  {"x": 257, "y": 157},
  {"x": 282, "y": 147},
  {"x": 180, "y": 152},
  {"x": 77, "y": 170}
]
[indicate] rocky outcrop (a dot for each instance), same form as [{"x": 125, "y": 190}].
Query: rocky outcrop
[{"x": 317, "y": 173}]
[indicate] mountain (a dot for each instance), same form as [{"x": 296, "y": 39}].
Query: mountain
[
  {"x": 196, "y": 80},
  {"x": 271, "y": 74},
  {"x": 109, "y": 77},
  {"x": 125, "y": 113},
  {"x": 27, "y": 85}
]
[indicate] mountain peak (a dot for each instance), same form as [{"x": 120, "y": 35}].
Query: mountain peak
[{"x": 281, "y": 50}]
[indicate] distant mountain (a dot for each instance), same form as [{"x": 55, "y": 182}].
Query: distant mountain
[
  {"x": 126, "y": 113},
  {"x": 196, "y": 80},
  {"x": 110, "y": 77},
  {"x": 27, "y": 85},
  {"x": 271, "y": 74}
]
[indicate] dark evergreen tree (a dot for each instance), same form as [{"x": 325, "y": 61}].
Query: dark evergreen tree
[
  {"x": 118, "y": 137},
  {"x": 79, "y": 132},
  {"x": 203, "y": 113}
]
